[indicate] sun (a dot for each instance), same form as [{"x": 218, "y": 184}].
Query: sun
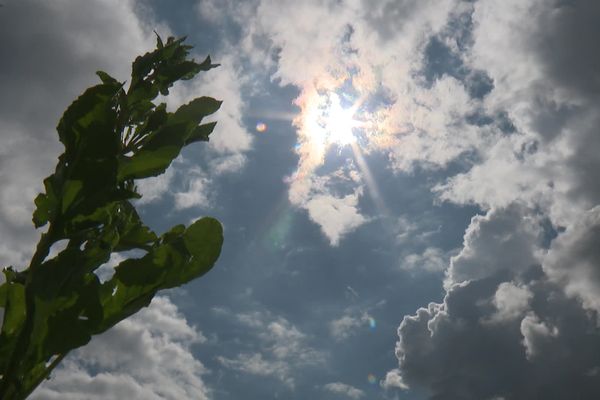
[
  {"x": 329, "y": 123},
  {"x": 340, "y": 123}
]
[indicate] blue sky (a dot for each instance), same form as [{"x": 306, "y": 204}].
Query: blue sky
[{"x": 445, "y": 247}]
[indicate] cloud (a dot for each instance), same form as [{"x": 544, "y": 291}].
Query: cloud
[
  {"x": 538, "y": 295},
  {"x": 535, "y": 333},
  {"x": 154, "y": 188},
  {"x": 547, "y": 161},
  {"x": 515, "y": 118},
  {"x": 284, "y": 349},
  {"x": 573, "y": 260},
  {"x": 393, "y": 379},
  {"x": 343, "y": 389},
  {"x": 146, "y": 356},
  {"x": 511, "y": 301},
  {"x": 504, "y": 324},
  {"x": 502, "y": 239},
  {"x": 337, "y": 216},
  {"x": 431, "y": 259},
  {"x": 347, "y": 325},
  {"x": 372, "y": 50},
  {"x": 451, "y": 350},
  {"x": 197, "y": 192}
]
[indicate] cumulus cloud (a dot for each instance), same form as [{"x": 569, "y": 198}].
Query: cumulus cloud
[
  {"x": 154, "y": 188},
  {"x": 393, "y": 379},
  {"x": 197, "y": 191},
  {"x": 535, "y": 332},
  {"x": 432, "y": 259},
  {"x": 284, "y": 349},
  {"x": 144, "y": 357},
  {"x": 574, "y": 258},
  {"x": 547, "y": 161},
  {"x": 346, "y": 390},
  {"x": 545, "y": 164},
  {"x": 336, "y": 215},
  {"x": 452, "y": 351},
  {"x": 347, "y": 325},
  {"x": 511, "y": 301},
  {"x": 502, "y": 239},
  {"x": 504, "y": 324}
]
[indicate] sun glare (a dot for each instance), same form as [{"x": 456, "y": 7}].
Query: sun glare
[
  {"x": 340, "y": 123},
  {"x": 330, "y": 123}
]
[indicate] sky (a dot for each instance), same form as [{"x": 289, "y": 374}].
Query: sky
[{"x": 408, "y": 188}]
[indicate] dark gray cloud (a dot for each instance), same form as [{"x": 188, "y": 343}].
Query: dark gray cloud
[{"x": 509, "y": 333}]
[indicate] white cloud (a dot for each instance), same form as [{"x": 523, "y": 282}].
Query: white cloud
[
  {"x": 393, "y": 379},
  {"x": 547, "y": 162},
  {"x": 432, "y": 259},
  {"x": 344, "y": 389},
  {"x": 255, "y": 364},
  {"x": 146, "y": 356},
  {"x": 336, "y": 215},
  {"x": 347, "y": 325},
  {"x": 502, "y": 239},
  {"x": 154, "y": 188},
  {"x": 511, "y": 301},
  {"x": 574, "y": 257},
  {"x": 284, "y": 349},
  {"x": 534, "y": 333},
  {"x": 197, "y": 192}
]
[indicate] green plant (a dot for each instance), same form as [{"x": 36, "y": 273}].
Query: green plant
[{"x": 111, "y": 137}]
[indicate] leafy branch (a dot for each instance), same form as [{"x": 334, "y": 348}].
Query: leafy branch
[{"x": 111, "y": 137}]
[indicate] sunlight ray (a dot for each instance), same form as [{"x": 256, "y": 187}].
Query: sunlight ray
[{"x": 369, "y": 180}]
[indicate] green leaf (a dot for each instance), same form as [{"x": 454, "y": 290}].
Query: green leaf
[
  {"x": 47, "y": 204},
  {"x": 196, "y": 110},
  {"x": 111, "y": 137},
  {"x": 107, "y": 79},
  {"x": 147, "y": 163},
  {"x": 14, "y": 317},
  {"x": 70, "y": 191},
  {"x": 201, "y": 133},
  {"x": 133, "y": 233},
  {"x": 203, "y": 240},
  {"x": 87, "y": 126},
  {"x": 3, "y": 294},
  {"x": 14, "y": 313},
  {"x": 159, "y": 42}
]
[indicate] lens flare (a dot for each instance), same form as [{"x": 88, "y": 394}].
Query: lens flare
[
  {"x": 261, "y": 127},
  {"x": 372, "y": 379},
  {"x": 372, "y": 323}
]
